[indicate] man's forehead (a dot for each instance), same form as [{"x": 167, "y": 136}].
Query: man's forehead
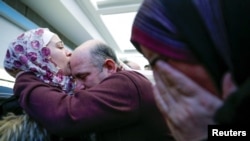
[
  {"x": 73, "y": 62},
  {"x": 81, "y": 67}
]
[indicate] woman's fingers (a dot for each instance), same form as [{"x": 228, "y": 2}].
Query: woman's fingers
[
  {"x": 161, "y": 102},
  {"x": 162, "y": 88},
  {"x": 177, "y": 81}
]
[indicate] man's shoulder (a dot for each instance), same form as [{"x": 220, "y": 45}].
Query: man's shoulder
[
  {"x": 148, "y": 75},
  {"x": 133, "y": 75},
  {"x": 130, "y": 73}
]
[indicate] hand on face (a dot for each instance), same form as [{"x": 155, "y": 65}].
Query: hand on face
[{"x": 188, "y": 108}]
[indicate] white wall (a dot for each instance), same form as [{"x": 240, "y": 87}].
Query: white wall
[{"x": 9, "y": 31}]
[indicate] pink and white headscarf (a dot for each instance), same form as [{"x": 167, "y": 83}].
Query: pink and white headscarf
[{"x": 28, "y": 52}]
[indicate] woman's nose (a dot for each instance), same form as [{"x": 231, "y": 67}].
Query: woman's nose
[{"x": 68, "y": 53}]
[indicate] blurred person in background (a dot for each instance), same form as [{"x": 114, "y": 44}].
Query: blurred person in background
[{"x": 132, "y": 65}]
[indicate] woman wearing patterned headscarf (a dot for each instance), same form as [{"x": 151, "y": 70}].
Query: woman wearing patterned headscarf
[
  {"x": 199, "y": 54},
  {"x": 38, "y": 51},
  {"x": 42, "y": 52}
]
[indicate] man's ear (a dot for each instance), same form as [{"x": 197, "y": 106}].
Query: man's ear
[{"x": 110, "y": 65}]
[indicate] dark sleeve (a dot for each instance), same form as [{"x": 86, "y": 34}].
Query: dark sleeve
[
  {"x": 113, "y": 103},
  {"x": 236, "y": 107},
  {"x": 10, "y": 105}
]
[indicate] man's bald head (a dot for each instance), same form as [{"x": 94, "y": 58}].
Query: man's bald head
[{"x": 94, "y": 51}]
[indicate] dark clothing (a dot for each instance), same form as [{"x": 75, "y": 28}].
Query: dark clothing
[
  {"x": 214, "y": 32},
  {"x": 237, "y": 19},
  {"x": 120, "y": 108}
]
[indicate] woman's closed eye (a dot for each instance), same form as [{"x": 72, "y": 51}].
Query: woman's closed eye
[{"x": 60, "y": 45}]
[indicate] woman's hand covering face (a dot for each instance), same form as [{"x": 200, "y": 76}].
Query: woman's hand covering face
[{"x": 187, "y": 107}]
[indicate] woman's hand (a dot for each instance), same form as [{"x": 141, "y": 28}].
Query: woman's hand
[{"x": 187, "y": 107}]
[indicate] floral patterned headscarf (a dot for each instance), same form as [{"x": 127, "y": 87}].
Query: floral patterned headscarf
[{"x": 28, "y": 52}]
